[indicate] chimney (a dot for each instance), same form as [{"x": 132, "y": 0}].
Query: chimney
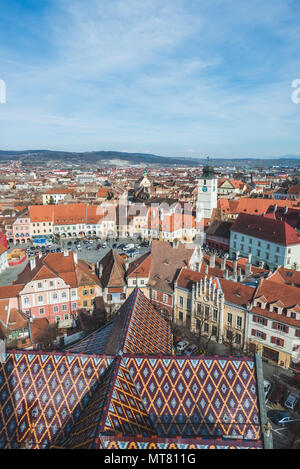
[
  {"x": 285, "y": 210},
  {"x": 100, "y": 270},
  {"x": 66, "y": 253},
  {"x": 248, "y": 266},
  {"x": 206, "y": 269},
  {"x": 212, "y": 260},
  {"x": 240, "y": 275},
  {"x": 235, "y": 263},
  {"x": 223, "y": 262},
  {"x": 225, "y": 274},
  {"x": 75, "y": 257},
  {"x": 32, "y": 264},
  {"x": 275, "y": 209}
]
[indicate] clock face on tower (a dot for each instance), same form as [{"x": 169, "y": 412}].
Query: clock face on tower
[{"x": 204, "y": 189}]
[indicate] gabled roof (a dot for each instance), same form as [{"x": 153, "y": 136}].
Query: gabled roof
[
  {"x": 166, "y": 262},
  {"x": 137, "y": 328},
  {"x": 275, "y": 231},
  {"x": 76, "y": 400},
  {"x": 50, "y": 266},
  {"x": 273, "y": 292},
  {"x": 114, "y": 269},
  {"x": 140, "y": 266}
]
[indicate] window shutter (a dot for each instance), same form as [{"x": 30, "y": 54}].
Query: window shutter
[
  {"x": 254, "y": 318},
  {"x": 264, "y": 336},
  {"x": 281, "y": 342},
  {"x": 273, "y": 340},
  {"x": 265, "y": 322},
  {"x": 286, "y": 329},
  {"x": 253, "y": 332},
  {"x": 274, "y": 325},
  {"x": 297, "y": 333}
]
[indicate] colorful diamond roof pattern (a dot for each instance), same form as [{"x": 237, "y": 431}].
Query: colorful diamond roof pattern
[
  {"x": 137, "y": 328},
  {"x": 128, "y": 399},
  {"x": 198, "y": 396},
  {"x": 146, "y": 331},
  {"x": 42, "y": 392}
]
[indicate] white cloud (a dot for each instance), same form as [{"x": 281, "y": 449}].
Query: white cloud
[{"x": 158, "y": 75}]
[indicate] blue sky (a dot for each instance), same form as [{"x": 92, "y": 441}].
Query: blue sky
[{"x": 172, "y": 77}]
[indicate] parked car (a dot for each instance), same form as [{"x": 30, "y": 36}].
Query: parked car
[
  {"x": 114, "y": 246},
  {"x": 58, "y": 250},
  {"x": 104, "y": 245},
  {"x": 123, "y": 255},
  {"x": 181, "y": 346},
  {"x": 267, "y": 387},
  {"x": 190, "y": 350},
  {"x": 291, "y": 401},
  {"x": 280, "y": 417},
  {"x": 89, "y": 248},
  {"x": 121, "y": 246},
  {"x": 99, "y": 246}
]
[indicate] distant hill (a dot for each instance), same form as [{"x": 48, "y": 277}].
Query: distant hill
[{"x": 116, "y": 158}]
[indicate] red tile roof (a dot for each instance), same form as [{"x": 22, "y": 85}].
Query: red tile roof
[{"x": 275, "y": 231}]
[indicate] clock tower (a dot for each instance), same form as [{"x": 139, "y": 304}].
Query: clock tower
[{"x": 207, "y": 192}]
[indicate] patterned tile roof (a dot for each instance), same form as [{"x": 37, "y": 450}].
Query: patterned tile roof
[
  {"x": 130, "y": 399},
  {"x": 137, "y": 328},
  {"x": 198, "y": 396},
  {"x": 146, "y": 331},
  {"x": 42, "y": 392}
]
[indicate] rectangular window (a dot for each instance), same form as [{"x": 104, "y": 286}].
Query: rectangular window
[
  {"x": 239, "y": 321},
  {"x": 188, "y": 304},
  {"x": 180, "y": 316},
  {"x": 238, "y": 339},
  {"x": 214, "y": 331},
  {"x": 64, "y": 294},
  {"x": 180, "y": 301},
  {"x": 40, "y": 299},
  {"x": 55, "y": 309},
  {"x": 39, "y": 285},
  {"x": 206, "y": 327},
  {"x": 229, "y": 319},
  {"x": 215, "y": 315},
  {"x": 41, "y": 311},
  {"x": 64, "y": 308}
]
